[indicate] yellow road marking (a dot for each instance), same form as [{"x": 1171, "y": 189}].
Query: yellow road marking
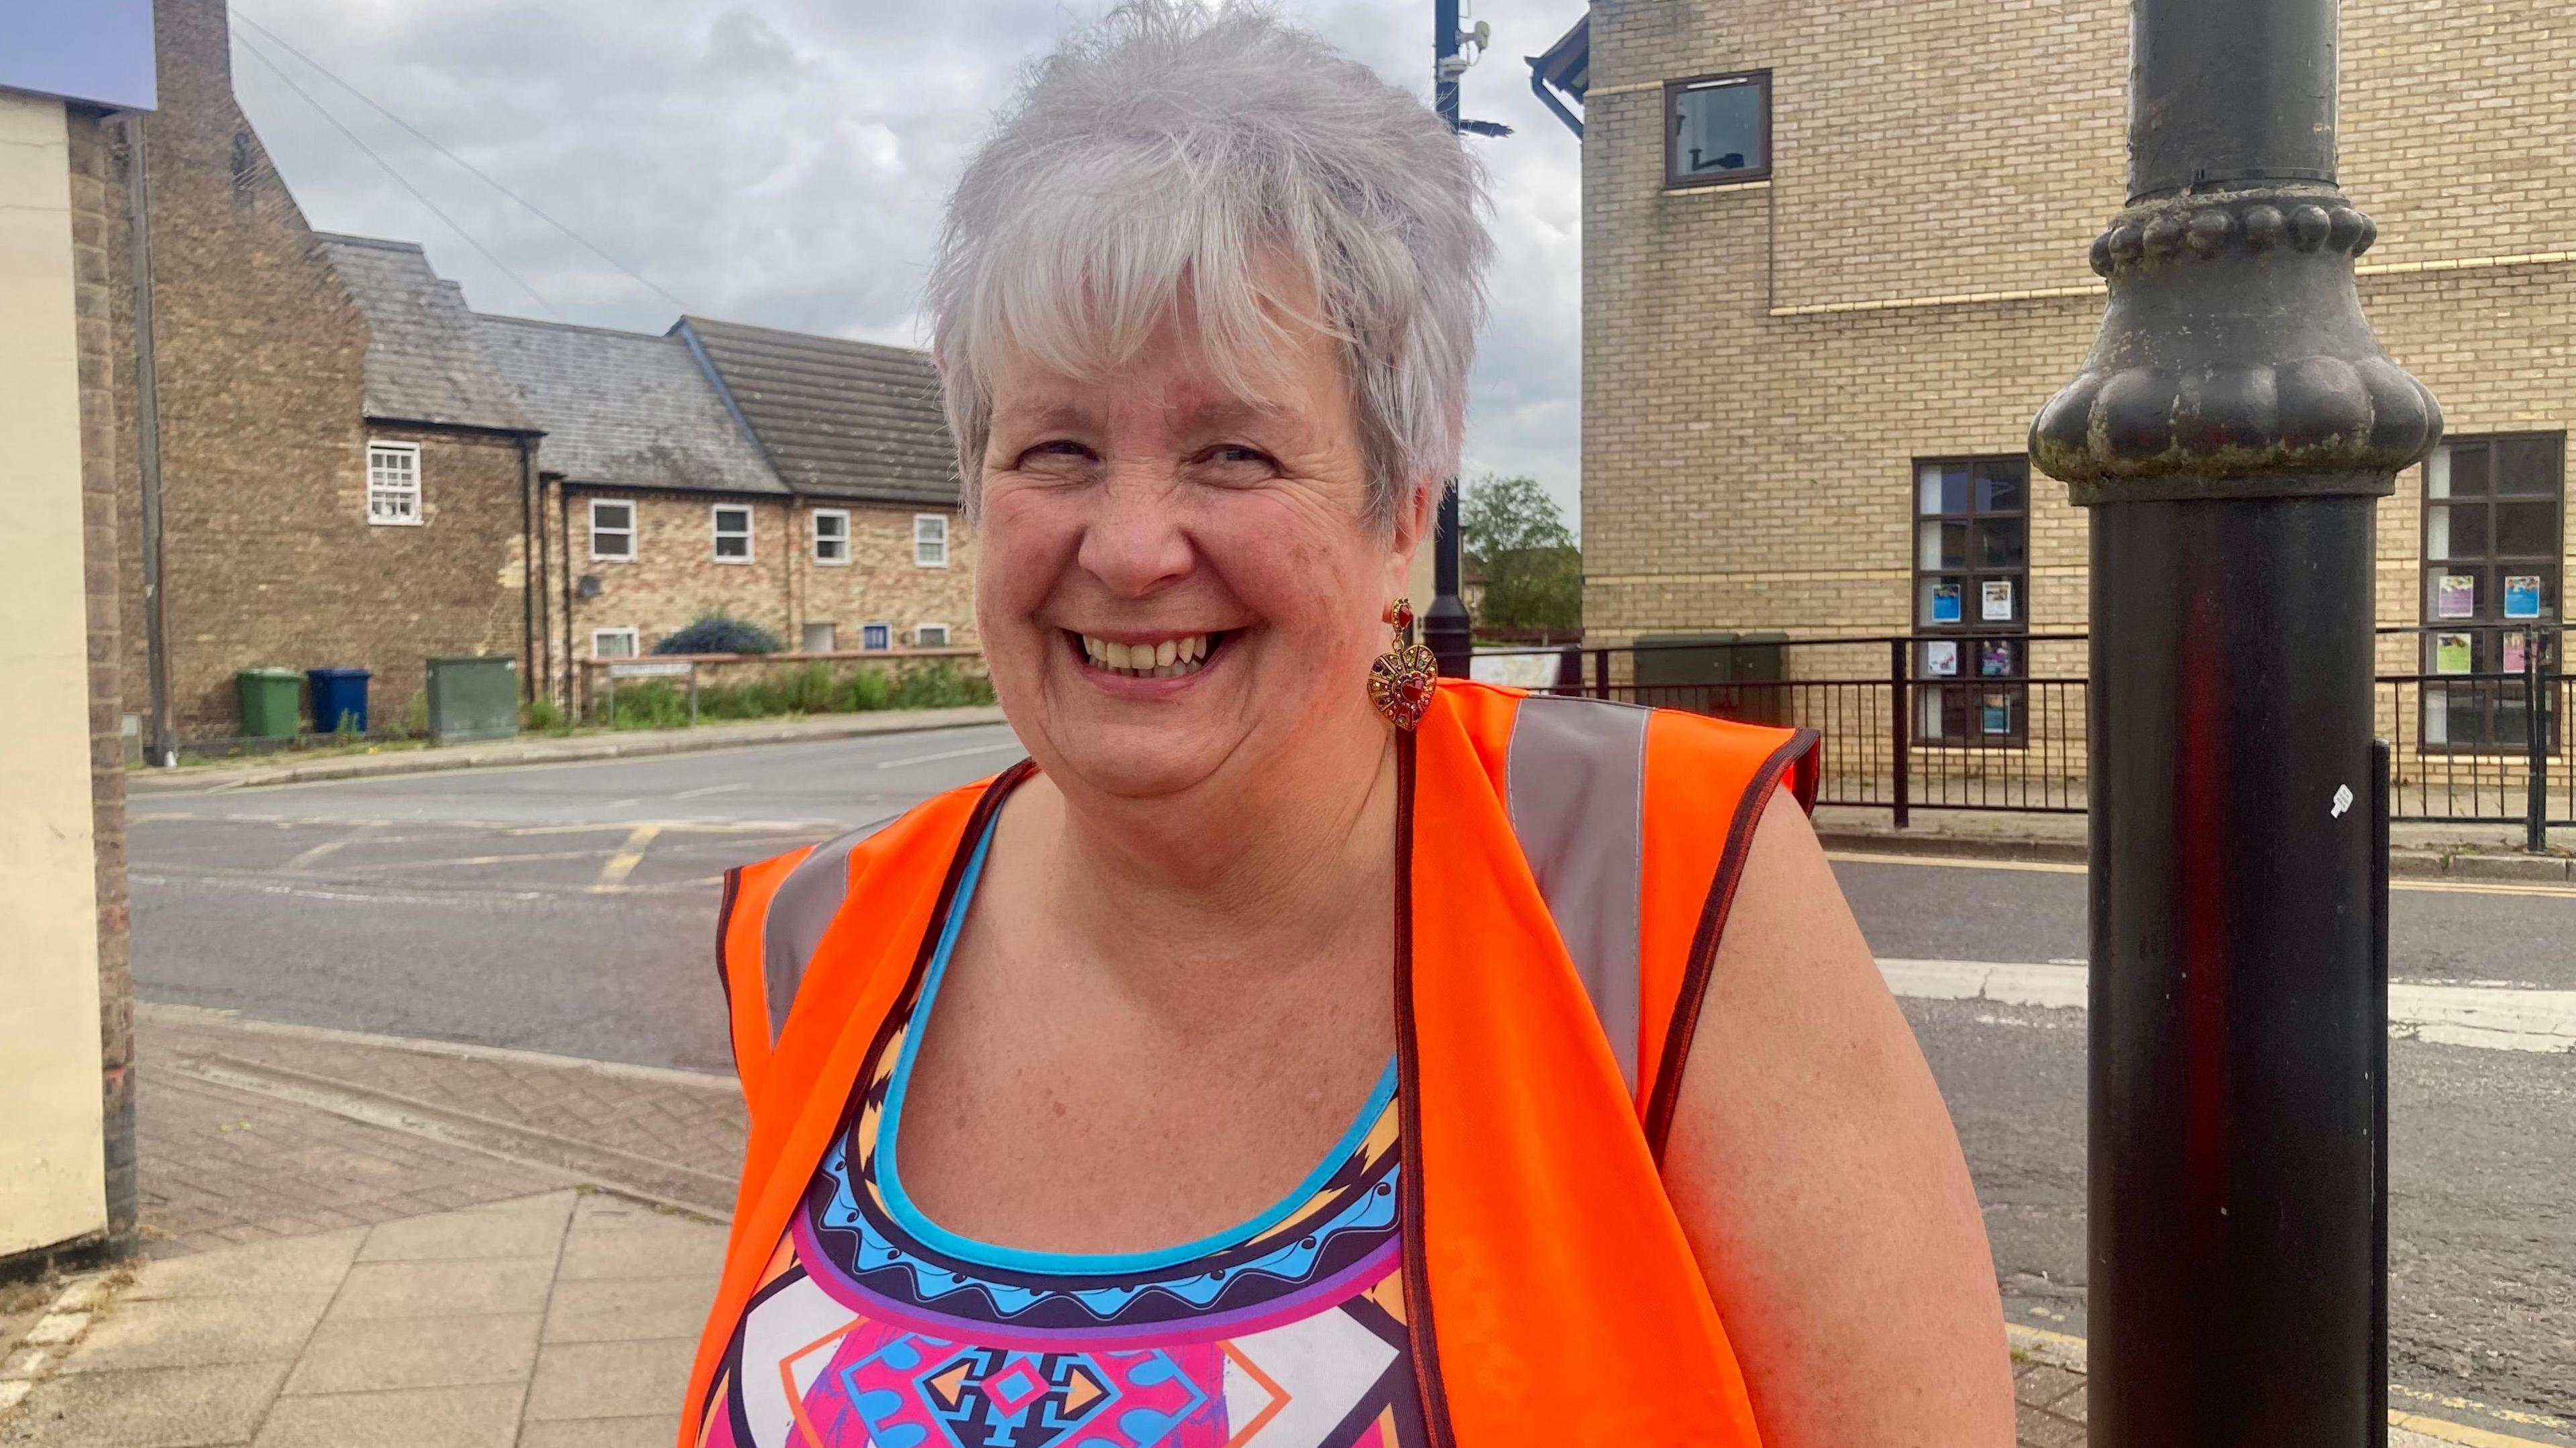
[
  {"x": 628, "y": 856},
  {"x": 2066, "y": 867}
]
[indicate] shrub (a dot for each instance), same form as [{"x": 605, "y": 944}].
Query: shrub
[
  {"x": 938, "y": 684},
  {"x": 543, "y": 716},
  {"x": 865, "y": 690},
  {"x": 658, "y": 704},
  {"x": 720, "y": 633}
]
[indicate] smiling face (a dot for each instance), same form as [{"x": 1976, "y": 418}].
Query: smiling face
[{"x": 1178, "y": 585}]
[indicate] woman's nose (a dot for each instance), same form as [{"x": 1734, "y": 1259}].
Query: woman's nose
[{"x": 1134, "y": 541}]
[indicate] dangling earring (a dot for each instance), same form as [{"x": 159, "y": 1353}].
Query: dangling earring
[{"x": 1401, "y": 681}]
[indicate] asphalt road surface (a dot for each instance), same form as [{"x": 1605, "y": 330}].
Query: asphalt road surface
[{"x": 570, "y": 909}]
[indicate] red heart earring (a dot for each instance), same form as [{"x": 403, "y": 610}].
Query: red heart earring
[{"x": 1402, "y": 679}]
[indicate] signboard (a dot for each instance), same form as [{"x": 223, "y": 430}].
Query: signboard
[
  {"x": 1941, "y": 659},
  {"x": 2451, "y": 653},
  {"x": 2522, "y": 595},
  {"x": 99, "y": 51},
  {"x": 1524, "y": 671},
  {"x": 2456, "y": 596},
  {"x": 1945, "y": 603},
  {"x": 1996, "y": 601},
  {"x": 651, "y": 669}
]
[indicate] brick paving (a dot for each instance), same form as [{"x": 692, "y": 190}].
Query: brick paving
[{"x": 2048, "y": 1406}]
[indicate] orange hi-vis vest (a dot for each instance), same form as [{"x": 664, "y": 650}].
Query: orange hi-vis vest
[{"x": 1565, "y": 867}]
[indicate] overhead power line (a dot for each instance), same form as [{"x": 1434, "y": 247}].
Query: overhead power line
[
  {"x": 477, "y": 172},
  {"x": 399, "y": 180}
]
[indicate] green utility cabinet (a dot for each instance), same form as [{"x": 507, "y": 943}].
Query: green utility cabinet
[
  {"x": 271, "y": 702},
  {"x": 472, "y": 699},
  {"x": 1732, "y": 676}
]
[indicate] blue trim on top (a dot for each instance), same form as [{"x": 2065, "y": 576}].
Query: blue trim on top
[{"x": 899, "y": 1203}]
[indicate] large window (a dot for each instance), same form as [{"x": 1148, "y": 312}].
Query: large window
[
  {"x": 1972, "y": 595},
  {"x": 393, "y": 482},
  {"x": 831, "y": 535},
  {"x": 1717, "y": 129},
  {"x": 733, "y": 533},
  {"x": 930, "y": 540},
  {"x": 2491, "y": 570},
  {"x": 612, "y": 530}
]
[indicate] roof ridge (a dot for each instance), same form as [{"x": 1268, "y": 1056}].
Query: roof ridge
[
  {"x": 386, "y": 242},
  {"x": 552, "y": 326},
  {"x": 822, "y": 337}
]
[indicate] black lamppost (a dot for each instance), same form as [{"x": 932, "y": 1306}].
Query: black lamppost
[
  {"x": 1445, "y": 625},
  {"x": 2231, "y": 433}
]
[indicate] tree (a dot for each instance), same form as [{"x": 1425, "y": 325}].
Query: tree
[{"x": 1511, "y": 532}]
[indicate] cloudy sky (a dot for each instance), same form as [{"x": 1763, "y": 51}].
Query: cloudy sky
[{"x": 783, "y": 161}]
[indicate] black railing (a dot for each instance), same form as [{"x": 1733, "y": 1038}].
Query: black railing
[{"x": 2473, "y": 713}]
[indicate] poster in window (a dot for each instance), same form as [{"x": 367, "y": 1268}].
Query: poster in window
[
  {"x": 2522, "y": 595},
  {"x": 2517, "y": 653},
  {"x": 1994, "y": 659},
  {"x": 1996, "y": 715},
  {"x": 1945, "y": 602},
  {"x": 2456, "y": 596},
  {"x": 2451, "y": 654},
  {"x": 1997, "y": 606},
  {"x": 1941, "y": 658}
]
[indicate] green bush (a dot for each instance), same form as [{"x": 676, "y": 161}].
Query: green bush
[
  {"x": 866, "y": 690},
  {"x": 543, "y": 716},
  {"x": 658, "y": 704},
  {"x": 716, "y": 632},
  {"x": 939, "y": 684}
]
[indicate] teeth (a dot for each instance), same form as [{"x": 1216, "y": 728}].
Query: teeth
[{"x": 1167, "y": 659}]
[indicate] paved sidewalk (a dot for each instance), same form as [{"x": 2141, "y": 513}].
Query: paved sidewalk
[
  {"x": 563, "y": 1320},
  {"x": 633, "y": 744}
]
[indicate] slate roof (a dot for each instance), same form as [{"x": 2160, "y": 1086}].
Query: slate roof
[
  {"x": 836, "y": 418},
  {"x": 623, "y": 409},
  {"x": 422, "y": 364}
]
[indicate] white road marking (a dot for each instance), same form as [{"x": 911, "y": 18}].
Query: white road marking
[
  {"x": 710, "y": 789},
  {"x": 2495, "y": 1018},
  {"x": 1012, "y": 745}
]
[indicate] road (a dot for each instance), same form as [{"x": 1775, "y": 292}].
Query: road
[{"x": 569, "y": 909}]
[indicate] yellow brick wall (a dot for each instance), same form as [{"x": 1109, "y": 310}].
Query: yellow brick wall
[{"x": 1764, "y": 363}]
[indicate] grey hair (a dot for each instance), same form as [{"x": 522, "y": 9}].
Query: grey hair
[{"x": 1170, "y": 157}]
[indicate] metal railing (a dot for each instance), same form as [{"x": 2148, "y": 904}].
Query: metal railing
[{"x": 1998, "y": 722}]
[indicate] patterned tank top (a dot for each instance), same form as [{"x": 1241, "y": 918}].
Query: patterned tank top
[{"x": 873, "y": 1326}]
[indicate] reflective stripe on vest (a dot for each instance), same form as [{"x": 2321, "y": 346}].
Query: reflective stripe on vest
[{"x": 1575, "y": 784}]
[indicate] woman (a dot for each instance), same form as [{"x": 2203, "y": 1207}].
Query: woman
[{"x": 1289, "y": 1053}]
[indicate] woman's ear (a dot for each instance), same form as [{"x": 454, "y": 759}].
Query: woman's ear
[{"x": 1411, "y": 534}]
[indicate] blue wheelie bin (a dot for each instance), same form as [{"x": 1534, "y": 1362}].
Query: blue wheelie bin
[{"x": 339, "y": 698}]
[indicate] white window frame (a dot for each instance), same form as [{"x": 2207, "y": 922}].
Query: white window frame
[
  {"x": 944, "y": 636},
  {"x": 876, "y": 623},
  {"x": 393, "y": 503},
  {"x": 804, "y": 635},
  {"x": 629, "y": 530},
  {"x": 634, "y": 642},
  {"x": 938, "y": 557},
  {"x": 715, "y": 524},
  {"x": 841, "y": 515}
]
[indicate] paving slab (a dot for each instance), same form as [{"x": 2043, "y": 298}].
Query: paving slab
[
  {"x": 296, "y": 1264},
  {"x": 482, "y": 1416},
  {"x": 146, "y": 1408},
  {"x": 189, "y": 1332},
  {"x": 610, "y": 1379},
  {"x": 652, "y": 1432},
  {"x": 529, "y": 1228},
  {"x": 627, "y": 1309},
  {"x": 417, "y": 1352},
  {"x": 616, "y": 1239},
  {"x": 378, "y": 1291}
]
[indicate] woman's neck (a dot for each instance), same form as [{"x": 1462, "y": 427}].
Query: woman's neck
[{"x": 1297, "y": 865}]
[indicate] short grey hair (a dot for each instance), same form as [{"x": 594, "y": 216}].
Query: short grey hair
[{"x": 1170, "y": 154}]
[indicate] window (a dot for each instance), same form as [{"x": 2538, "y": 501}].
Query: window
[
  {"x": 1717, "y": 129},
  {"x": 831, "y": 535},
  {"x": 2492, "y": 530},
  {"x": 930, "y": 540},
  {"x": 733, "y": 534},
  {"x": 818, "y": 639},
  {"x": 612, "y": 530},
  {"x": 393, "y": 482},
  {"x": 613, "y": 643},
  {"x": 1972, "y": 583},
  {"x": 876, "y": 635},
  {"x": 930, "y": 635}
]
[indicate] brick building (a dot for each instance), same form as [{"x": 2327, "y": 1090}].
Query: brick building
[
  {"x": 1835, "y": 259},
  {"x": 355, "y": 468}
]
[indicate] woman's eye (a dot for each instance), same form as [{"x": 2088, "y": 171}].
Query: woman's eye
[
  {"x": 1234, "y": 453},
  {"x": 1062, "y": 447}
]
